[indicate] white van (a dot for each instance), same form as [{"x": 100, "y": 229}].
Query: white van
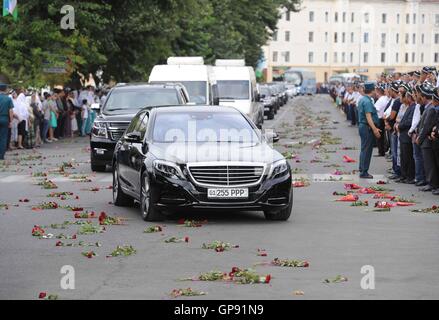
[
  {"x": 192, "y": 73},
  {"x": 237, "y": 88}
]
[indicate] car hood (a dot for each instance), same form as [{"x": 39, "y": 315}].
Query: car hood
[
  {"x": 127, "y": 117},
  {"x": 183, "y": 153}
]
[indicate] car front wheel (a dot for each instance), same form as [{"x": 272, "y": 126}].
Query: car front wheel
[
  {"x": 282, "y": 215},
  {"x": 148, "y": 211}
]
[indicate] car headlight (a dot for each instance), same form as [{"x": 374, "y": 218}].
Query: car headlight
[
  {"x": 99, "y": 130},
  {"x": 278, "y": 169},
  {"x": 168, "y": 169}
]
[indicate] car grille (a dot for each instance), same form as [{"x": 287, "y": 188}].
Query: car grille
[
  {"x": 117, "y": 129},
  {"x": 227, "y": 175}
]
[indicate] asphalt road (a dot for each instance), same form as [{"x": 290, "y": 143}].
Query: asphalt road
[{"x": 335, "y": 238}]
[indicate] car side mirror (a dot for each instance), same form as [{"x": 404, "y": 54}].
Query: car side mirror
[
  {"x": 216, "y": 101},
  {"x": 96, "y": 107},
  {"x": 134, "y": 137},
  {"x": 271, "y": 136},
  {"x": 145, "y": 148}
]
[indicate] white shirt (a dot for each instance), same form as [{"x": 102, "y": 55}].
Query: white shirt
[
  {"x": 84, "y": 111},
  {"x": 416, "y": 118},
  {"x": 357, "y": 97},
  {"x": 389, "y": 110},
  {"x": 381, "y": 104}
]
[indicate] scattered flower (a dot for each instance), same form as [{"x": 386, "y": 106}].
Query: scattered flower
[
  {"x": 153, "y": 229},
  {"x": 347, "y": 159},
  {"x": 89, "y": 254},
  {"x": 191, "y": 223},
  {"x": 360, "y": 204},
  {"x": 186, "y": 293},
  {"x": 177, "y": 240},
  {"x": 219, "y": 246},
  {"x": 123, "y": 251},
  {"x": 348, "y": 198},
  {"x": 337, "y": 279}
]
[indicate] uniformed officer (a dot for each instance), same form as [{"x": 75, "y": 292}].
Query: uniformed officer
[
  {"x": 6, "y": 115},
  {"x": 368, "y": 128}
]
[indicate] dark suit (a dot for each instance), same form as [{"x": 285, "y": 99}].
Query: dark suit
[
  {"x": 406, "y": 145},
  {"x": 426, "y": 125},
  {"x": 435, "y": 144}
]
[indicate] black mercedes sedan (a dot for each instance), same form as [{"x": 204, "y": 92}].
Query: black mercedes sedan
[{"x": 203, "y": 157}]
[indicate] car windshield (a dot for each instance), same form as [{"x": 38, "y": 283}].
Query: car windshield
[
  {"x": 203, "y": 126},
  {"x": 196, "y": 90},
  {"x": 130, "y": 100},
  {"x": 236, "y": 90},
  {"x": 293, "y": 78}
]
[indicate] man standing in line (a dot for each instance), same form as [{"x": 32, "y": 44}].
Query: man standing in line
[
  {"x": 368, "y": 121},
  {"x": 426, "y": 126},
  {"x": 381, "y": 105},
  {"x": 390, "y": 123},
  {"x": 435, "y": 133},
  {"x": 6, "y": 115}
]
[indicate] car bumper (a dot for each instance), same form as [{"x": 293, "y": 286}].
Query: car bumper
[
  {"x": 270, "y": 195},
  {"x": 101, "y": 151}
]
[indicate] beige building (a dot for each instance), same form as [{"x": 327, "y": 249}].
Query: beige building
[{"x": 365, "y": 37}]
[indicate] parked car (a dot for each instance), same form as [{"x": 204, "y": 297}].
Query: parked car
[
  {"x": 122, "y": 104},
  {"x": 174, "y": 158},
  {"x": 269, "y": 100}
]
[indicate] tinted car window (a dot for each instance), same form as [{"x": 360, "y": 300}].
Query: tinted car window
[
  {"x": 203, "y": 127},
  {"x": 238, "y": 90},
  {"x": 143, "y": 126},
  {"x": 135, "y": 123},
  {"x": 128, "y": 100},
  {"x": 196, "y": 91}
]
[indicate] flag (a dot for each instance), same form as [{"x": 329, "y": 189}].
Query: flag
[{"x": 10, "y": 7}]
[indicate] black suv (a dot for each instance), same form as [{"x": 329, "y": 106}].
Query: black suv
[
  {"x": 172, "y": 158},
  {"x": 122, "y": 104}
]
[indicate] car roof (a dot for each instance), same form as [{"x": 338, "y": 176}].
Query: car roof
[
  {"x": 198, "y": 108},
  {"x": 144, "y": 85}
]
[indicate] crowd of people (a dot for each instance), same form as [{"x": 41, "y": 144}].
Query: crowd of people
[
  {"x": 398, "y": 114},
  {"x": 29, "y": 119}
]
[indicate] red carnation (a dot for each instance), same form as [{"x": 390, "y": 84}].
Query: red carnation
[
  {"x": 181, "y": 221},
  {"x": 235, "y": 270},
  {"x": 74, "y": 237},
  {"x": 42, "y": 295},
  {"x": 305, "y": 264},
  {"x": 186, "y": 239},
  {"x": 268, "y": 278},
  {"x": 434, "y": 207},
  {"x": 59, "y": 244}
]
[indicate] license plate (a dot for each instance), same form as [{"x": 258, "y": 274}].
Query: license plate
[{"x": 228, "y": 193}]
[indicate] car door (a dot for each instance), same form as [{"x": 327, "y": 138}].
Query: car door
[
  {"x": 137, "y": 156},
  {"x": 124, "y": 152}
]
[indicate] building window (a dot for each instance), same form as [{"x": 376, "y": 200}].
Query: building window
[
  {"x": 311, "y": 37},
  {"x": 414, "y": 38},
  {"x": 423, "y": 18},
  {"x": 436, "y": 19},
  {"x": 422, "y": 38},
  {"x": 287, "y": 56},
  {"x": 384, "y": 18},
  {"x": 366, "y": 57},
  {"x": 344, "y": 16},
  {"x": 311, "y": 16},
  {"x": 335, "y": 57},
  {"x": 343, "y": 37},
  {"x": 407, "y": 38},
  {"x": 275, "y": 36},
  {"x": 366, "y": 37},
  {"x": 436, "y": 38},
  {"x": 422, "y": 57},
  {"x": 336, "y": 17},
  {"x": 326, "y": 37},
  {"x": 398, "y": 17},
  {"x": 343, "y": 57},
  {"x": 287, "y": 36},
  {"x": 383, "y": 57},
  {"x": 414, "y": 18},
  {"x": 366, "y": 17},
  {"x": 406, "y": 57},
  {"x": 383, "y": 40},
  {"x": 352, "y": 57},
  {"x": 407, "y": 18},
  {"x": 352, "y": 17},
  {"x": 352, "y": 37},
  {"x": 287, "y": 16},
  {"x": 397, "y": 57},
  {"x": 311, "y": 57},
  {"x": 335, "y": 37},
  {"x": 325, "y": 57},
  {"x": 413, "y": 57},
  {"x": 326, "y": 16},
  {"x": 274, "y": 56},
  {"x": 436, "y": 57},
  {"x": 397, "y": 38}
]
